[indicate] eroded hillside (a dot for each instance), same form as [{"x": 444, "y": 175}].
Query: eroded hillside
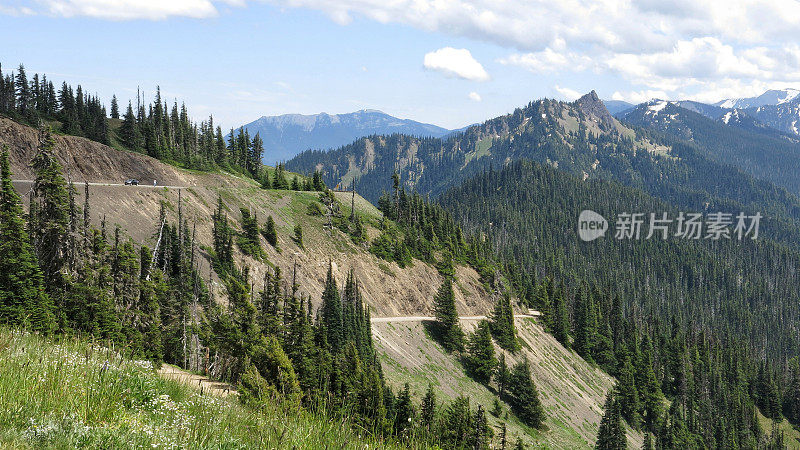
[{"x": 571, "y": 390}]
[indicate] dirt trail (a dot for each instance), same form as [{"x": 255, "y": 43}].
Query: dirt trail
[{"x": 217, "y": 388}]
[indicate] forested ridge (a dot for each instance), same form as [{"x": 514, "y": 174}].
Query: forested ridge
[
  {"x": 762, "y": 152},
  {"x": 717, "y": 320},
  {"x": 155, "y": 127},
  {"x": 580, "y": 138}
]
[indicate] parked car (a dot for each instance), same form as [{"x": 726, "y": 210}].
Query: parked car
[{"x": 131, "y": 182}]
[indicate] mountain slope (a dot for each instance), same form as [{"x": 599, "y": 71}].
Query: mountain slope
[
  {"x": 125, "y": 404},
  {"x": 729, "y": 287},
  {"x": 581, "y": 138},
  {"x": 734, "y": 138},
  {"x": 546, "y": 128},
  {"x": 287, "y": 135},
  {"x": 572, "y": 391},
  {"x": 388, "y": 289},
  {"x": 783, "y": 117},
  {"x": 615, "y": 106}
]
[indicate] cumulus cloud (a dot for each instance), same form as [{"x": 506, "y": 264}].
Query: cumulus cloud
[
  {"x": 128, "y": 9},
  {"x": 668, "y": 46},
  {"x": 474, "y": 96},
  {"x": 16, "y": 10},
  {"x": 455, "y": 62},
  {"x": 547, "y": 60},
  {"x": 567, "y": 93},
  {"x": 638, "y": 96}
]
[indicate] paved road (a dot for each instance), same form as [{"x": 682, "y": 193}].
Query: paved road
[
  {"x": 424, "y": 318},
  {"x": 81, "y": 183}
]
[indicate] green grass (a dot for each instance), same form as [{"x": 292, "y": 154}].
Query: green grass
[
  {"x": 66, "y": 393},
  {"x": 482, "y": 148},
  {"x": 791, "y": 435}
]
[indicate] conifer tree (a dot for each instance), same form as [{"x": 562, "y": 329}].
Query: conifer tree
[
  {"x": 559, "y": 323},
  {"x": 480, "y": 361},
  {"x": 23, "y": 91},
  {"x": 648, "y": 386},
  {"x": 298, "y": 235},
  {"x": 276, "y": 368},
  {"x": 22, "y": 297},
  {"x": 482, "y": 433},
  {"x": 270, "y": 233},
  {"x": 627, "y": 394},
  {"x": 331, "y": 313},
  {"x": 449, "y": 328},
  {"x": 457, "y": 423},
  {"x": 523, "y": 396},
  {"x": 114, "y": 108},
  {"x": 611, "y": 434},
  {"x": 585, "y": 325},
  {"x": 428, "y": 409},
  {"x": 149, "y": 313},
  {"x": 51, "y": 221},
  {"x": 404, "y": 411},
  {"x": 503, "y": 323},
  {"x": 129, "y": 131},
  {"x": 249, "y": 242},
  {"x": 502, "y": 376}
]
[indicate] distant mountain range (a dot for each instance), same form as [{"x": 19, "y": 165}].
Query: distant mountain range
[
  {"x": 771, "y": 97},
  {"x": 725, "y": 136},
  {"x": 287, "y": 135},
  {"x": 775, "y": 109},
  {"x": 615, "y": 106}
]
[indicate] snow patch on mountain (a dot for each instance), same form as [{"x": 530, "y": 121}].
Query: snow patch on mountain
[{"x": 657, "y": 106}]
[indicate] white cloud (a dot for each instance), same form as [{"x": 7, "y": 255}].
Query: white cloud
[
  {"x": 474, "y": 96},
  {"x": 567, "y": 93},
  {"x": 533, "y": 25},
  {"x": 455, "y": 63},
  {"x": 638, "y": 96},
  {"x": 669, "y": 46},
  {"x": 678, "y": 47},
  {"x": 130, "y": 9},
  {"x": 547, "y": 60},
  {"x": 16, "y": 11}
]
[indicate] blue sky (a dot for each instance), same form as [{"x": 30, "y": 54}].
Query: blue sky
[{"x": 243, "y": 59}]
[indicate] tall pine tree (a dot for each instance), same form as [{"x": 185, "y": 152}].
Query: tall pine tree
[
  {"x": 23, "y": 300},
  {"x": 449, "y": 329}
]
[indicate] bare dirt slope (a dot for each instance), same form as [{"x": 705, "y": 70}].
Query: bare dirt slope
[
  {"x": 387, "y": 288},
  {"x": 86, "y": 160}
]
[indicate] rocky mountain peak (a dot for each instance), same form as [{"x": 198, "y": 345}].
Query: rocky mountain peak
[{"x": 591, "y": 105}]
